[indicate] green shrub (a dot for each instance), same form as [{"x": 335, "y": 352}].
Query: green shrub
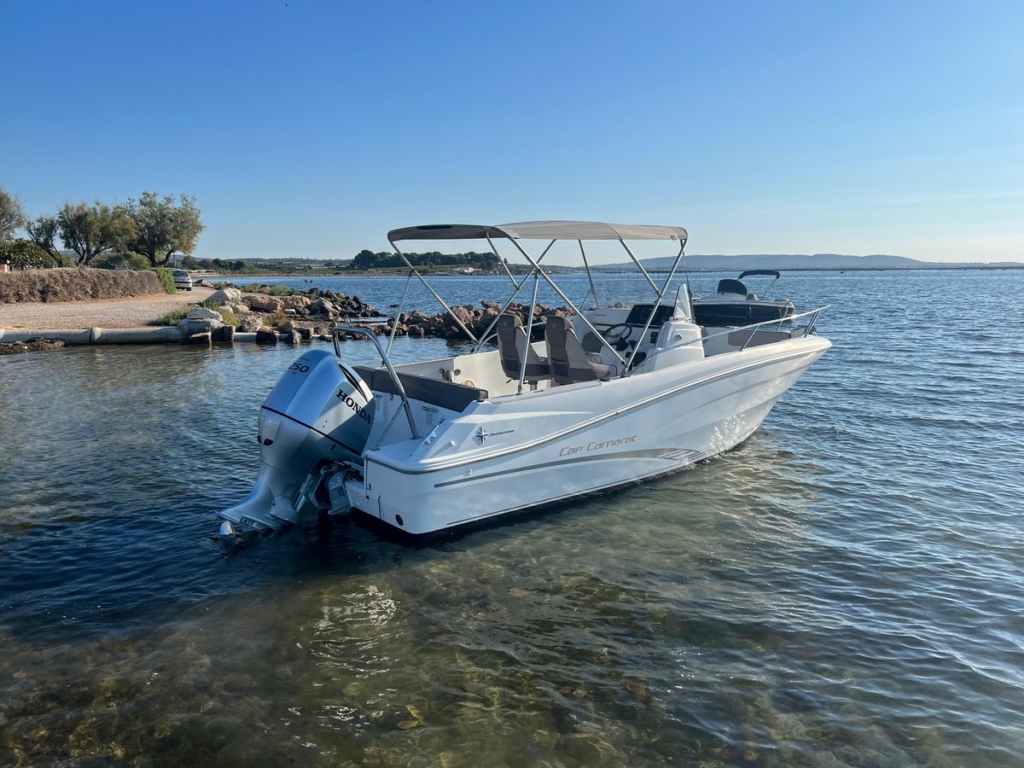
[
  {"x": 173, "y": 317},
  {"x": 230, "y": 318},
  {"x": 279, "y": 290},
  {"x": 166, "y": 279},
  {"x": 123, "y": 259}
]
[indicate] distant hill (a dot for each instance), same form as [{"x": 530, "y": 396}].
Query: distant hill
[{"x": 794, "y": 261}]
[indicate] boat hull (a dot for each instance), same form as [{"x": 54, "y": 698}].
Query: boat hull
[
  {"x": 712, "y": 314},
  {"x": 548, "y": 447}
]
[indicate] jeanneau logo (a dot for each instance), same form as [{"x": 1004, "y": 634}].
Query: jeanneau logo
[{"x": 482, "y": 434}]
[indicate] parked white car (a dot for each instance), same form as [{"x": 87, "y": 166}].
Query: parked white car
[{"x": 182, "y": 280}]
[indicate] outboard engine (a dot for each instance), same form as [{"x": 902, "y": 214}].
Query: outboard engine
[{"x": 319, "y": 409}]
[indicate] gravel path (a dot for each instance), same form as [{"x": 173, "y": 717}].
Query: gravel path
[{"x": 107, "y": 313}]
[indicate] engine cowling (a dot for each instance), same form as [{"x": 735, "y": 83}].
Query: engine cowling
[{"x": 319, "y": 409}]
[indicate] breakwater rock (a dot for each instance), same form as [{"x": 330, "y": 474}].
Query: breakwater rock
[
  {"x": 476, "y": 319},
  {"x": 303, "y": 315},
  {"x": 32, "y": 345},
  {"x": 273, "y": 300}
]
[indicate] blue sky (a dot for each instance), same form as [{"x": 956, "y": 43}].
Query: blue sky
[{"x": 310, "y": 128}]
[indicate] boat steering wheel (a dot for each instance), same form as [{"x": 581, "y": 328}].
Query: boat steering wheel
[{"x": 617, "y": 335}]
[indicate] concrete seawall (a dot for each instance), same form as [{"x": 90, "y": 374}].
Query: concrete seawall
[{"x": 160, "y": 335}]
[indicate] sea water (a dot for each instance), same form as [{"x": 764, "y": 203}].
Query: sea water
[{"x": 843, "y": 589}]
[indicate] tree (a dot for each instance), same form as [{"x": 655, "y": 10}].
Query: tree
[
  {"x": 121, "y": 259},
  {"x": 90, "y": 230},
  {"x": 12, "y": 215},
  {"x": 22, "y": 253},
  {"x": 163, "y": 227},
  {"x": 43, "y": 232}
]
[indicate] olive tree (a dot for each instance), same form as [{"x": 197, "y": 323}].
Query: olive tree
[
  {"x": 12, "y": 215},
  {"x": 43, "y": 231},
  {"x": 163, "y": 227},
  {"x": 90, "y": 230},
  {"x": 22, "y": 253}
]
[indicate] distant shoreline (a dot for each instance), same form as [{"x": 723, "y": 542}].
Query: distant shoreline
[{"x": 603, "y": 270}]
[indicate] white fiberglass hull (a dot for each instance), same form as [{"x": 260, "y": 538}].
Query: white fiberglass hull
[{"x": 539, "y": 448}]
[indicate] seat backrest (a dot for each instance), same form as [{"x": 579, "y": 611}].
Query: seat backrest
[
  {"x": 732, "y": 285},
  {"x": 569, "y": 363},
  {"x": 446, "y": 394},
  {"x": 512, "y": 343}
]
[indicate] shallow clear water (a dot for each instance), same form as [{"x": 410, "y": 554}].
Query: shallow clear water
[{"x": 844, "y": 589}]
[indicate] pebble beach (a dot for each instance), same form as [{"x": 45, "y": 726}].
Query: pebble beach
[{"x": 136, "y": 312}]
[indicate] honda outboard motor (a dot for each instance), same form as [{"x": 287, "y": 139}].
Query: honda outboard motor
[{"x": 319, "y": 409}]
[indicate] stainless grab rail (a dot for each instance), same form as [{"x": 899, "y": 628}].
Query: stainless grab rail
[
  {"x": 387, "y": 364},
  {"x": 812, "y": 313}
]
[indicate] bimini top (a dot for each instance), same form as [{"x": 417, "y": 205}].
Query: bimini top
[{"x": 540, "y": 230}]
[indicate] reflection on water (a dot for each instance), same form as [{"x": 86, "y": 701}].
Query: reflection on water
[{"x": 843, "y": 589}]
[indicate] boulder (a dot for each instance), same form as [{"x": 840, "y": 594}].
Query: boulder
[
  {"x": 322, "y": 307},
  {"x": 203, "y": 313},
  {"x": 293, "y": 328},
  {"x": 199, "y": 321},
  {"x": 465, "y": 314},
  {"x": 294, "y": 302},
  {"x": 251, "y": 323},
  {"x": 266, "y": 336},
  {"x": 263, "y": 303},
  {"x": 225, "y": 296},
  {"x": 226, "y": 334}
]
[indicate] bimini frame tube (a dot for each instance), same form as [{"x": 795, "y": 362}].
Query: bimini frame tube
[
  {"x": 512, "y": 298},
  {"x": 500, "y": 261},
  {"x": 433, "y": 293},
  {"x": 660, "y": 294},
  {"x": 566, "y": 299},
  {"x": 401, "y": 308},
  {"x": 590, "y": 277},
  {"x": 529, "y": 335}
]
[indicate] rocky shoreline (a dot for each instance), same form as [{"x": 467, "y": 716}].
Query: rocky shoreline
[
  {"x": 305, "y": 315},
  {"x": 225, "y": 314}
]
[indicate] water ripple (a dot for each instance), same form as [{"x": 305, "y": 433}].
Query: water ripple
[{"x": 842, "y": 589}]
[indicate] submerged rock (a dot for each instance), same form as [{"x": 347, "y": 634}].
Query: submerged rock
[{"x": 32, "y": 345}]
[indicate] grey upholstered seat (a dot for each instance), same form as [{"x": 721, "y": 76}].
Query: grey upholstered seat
[
  {"x": 566, "y": 356},
  {"x": 512, "y": 343}
]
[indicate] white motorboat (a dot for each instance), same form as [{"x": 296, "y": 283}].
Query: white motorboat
[
  {"x": 612, "y": 396},
  {"x": 734, "y": 305}
]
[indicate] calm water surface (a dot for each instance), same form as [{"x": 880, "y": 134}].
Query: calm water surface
[{"x": 844, "y": 589}]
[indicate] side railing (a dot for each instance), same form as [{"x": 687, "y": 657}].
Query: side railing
[
  {"x": 754, "y": 327},
  {"x": 777, "y": 324}
]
